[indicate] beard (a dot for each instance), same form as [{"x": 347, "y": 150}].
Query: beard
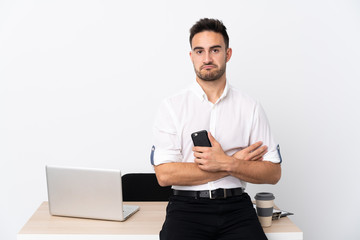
[{"x": 211, "y": 75}]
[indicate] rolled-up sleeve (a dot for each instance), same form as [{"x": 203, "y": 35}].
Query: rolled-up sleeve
[
  {"x": 261, "y": 132},
  {"x": 167, "y": 144}
]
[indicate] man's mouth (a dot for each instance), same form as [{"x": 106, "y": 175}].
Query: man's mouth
[{"x": 208, "y": 67}]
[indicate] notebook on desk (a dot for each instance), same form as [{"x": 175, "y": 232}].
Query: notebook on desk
[{"x": 87, "y": 193}]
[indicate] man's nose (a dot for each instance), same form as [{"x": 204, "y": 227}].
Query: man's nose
[{"x": 207, "y": 58}]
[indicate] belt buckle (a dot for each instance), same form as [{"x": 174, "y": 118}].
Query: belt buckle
[{"x": 216, "y": 197}]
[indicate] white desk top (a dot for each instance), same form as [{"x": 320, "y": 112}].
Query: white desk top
[{"x": 145, "y": 224}]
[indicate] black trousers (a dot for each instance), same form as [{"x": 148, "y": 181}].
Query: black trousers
[{"x": 211, "y": 219}]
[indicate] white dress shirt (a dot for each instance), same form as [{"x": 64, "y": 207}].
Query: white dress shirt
[{"x": 236, "y": 121}]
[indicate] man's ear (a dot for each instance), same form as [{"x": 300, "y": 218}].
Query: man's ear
[
  {"x": 228, "y": 54},
  {"x": 190, "y": 54}
]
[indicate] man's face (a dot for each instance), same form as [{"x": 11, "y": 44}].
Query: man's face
[{"x": 209, "y": 55}]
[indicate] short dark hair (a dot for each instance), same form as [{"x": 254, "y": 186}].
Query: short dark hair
[{"x": 209, "y": 24}]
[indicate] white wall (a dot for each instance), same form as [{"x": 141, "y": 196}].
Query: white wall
[{"x": 80, "y": 82}]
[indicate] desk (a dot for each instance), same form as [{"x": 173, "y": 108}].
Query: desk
[{"x": 145, "y": 224}]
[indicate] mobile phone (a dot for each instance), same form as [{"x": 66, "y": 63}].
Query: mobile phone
[{"x": 201, "y": 139}]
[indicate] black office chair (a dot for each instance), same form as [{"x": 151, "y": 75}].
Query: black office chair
[{"x": 143, "y": 187}]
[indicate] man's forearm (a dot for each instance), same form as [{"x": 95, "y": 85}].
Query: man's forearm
[
  {"x": 259, "y": 172},
  {"x": 246, "y": 164},
  {"x": 185, "y": 174}
]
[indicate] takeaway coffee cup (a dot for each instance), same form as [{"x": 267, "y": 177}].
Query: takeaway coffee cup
[{"x": 264, "y": 207}]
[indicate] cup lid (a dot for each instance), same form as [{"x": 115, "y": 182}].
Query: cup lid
[{"x": 264, "y": 196}]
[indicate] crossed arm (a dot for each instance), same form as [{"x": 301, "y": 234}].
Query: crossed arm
[{"x": 211, "y": 163}]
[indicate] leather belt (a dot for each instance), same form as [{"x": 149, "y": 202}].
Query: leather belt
[{"x": 219, "y": 193}]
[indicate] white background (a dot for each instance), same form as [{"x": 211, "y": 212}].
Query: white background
[{"x": 80, "y": 82}]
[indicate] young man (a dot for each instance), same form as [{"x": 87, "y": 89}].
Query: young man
[{"x": 209, "y": 201}]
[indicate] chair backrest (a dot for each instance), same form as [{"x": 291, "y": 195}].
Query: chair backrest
[{"x": 143, "y": 187}]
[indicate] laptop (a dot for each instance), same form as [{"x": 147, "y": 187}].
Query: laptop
[{"x": 87, "y": 193}]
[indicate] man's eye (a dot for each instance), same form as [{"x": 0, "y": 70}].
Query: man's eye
[
  {"x": 199, "y": 52},
  {"x": 216, "y": 50}
]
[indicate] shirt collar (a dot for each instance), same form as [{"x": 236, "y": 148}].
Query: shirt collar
[{"x": 196, "y": 88}]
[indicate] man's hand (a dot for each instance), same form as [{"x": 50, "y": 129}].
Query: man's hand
[
  {"x": 245, "y": 164},
  {"x": 254, "y": 152},
  {"x": 212, "y": 159}
]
